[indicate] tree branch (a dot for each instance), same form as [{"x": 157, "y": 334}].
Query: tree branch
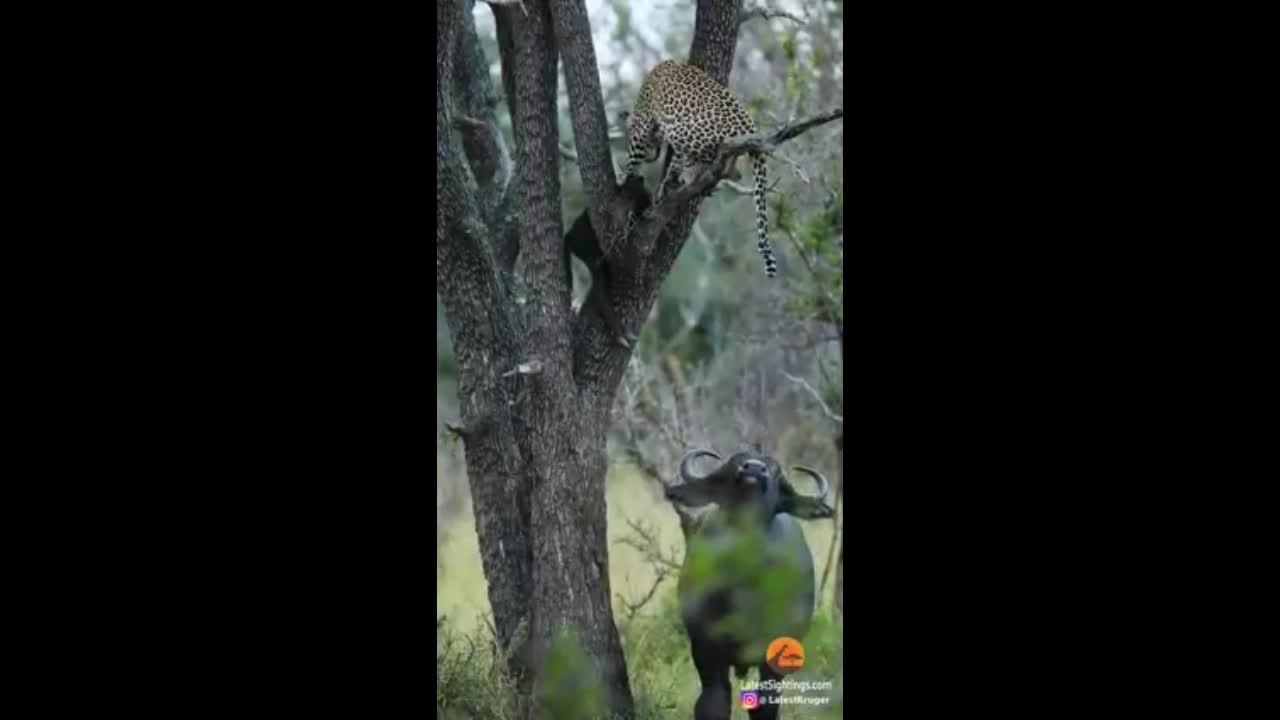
[
  {"x": 648, "y": 545},
  {"x": 506, "y": 232},
  {"x": 496, "y": 4},
  {"x": 741, "y": 189},
  {"x": 485, "y": 328},
  {"x": 766, "y": 14},
  {"x": 586, "y": 107},
  {"x": 486, "y": 152},
  {"x": 715, "y": 37},
  {"x": 504, "y": 21},
  {"x": 814, "y": 393},
  {"x": 598, "y": 362},
  {"x": 721, "y": 168},
  {"x": 633, "y": 609}
]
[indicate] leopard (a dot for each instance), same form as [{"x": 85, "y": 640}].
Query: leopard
[{"x": 681, "y": 106}]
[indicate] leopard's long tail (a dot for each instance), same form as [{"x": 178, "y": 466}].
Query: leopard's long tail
[{"x": 762, "y": 217}]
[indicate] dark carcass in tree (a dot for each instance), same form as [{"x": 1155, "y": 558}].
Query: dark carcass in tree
[{"x": 748, "y": 574}]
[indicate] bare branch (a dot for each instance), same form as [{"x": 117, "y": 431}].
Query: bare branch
[
  {"x": 795, "y": 167},
  {"x": 586, "y": 106},
  {"x": 634, "y": 608},
  {"x": 687, "y": 520},
  {"x": 720, "y": 168},
  {"x": 504, "y": 21},
  {"x": 811, "y": 343},
  {"x": 822, "y": 404},
  {"x": 786, "y": 133},
  {"x": 766, "y": 14},
  {"x": 645, "y": 540},
  {"x": 741, "y": 189}
]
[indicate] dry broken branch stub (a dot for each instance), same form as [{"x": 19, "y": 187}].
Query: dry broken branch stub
[
  {"x": 500, "y": 3},
  {"x": 533, "y": 367}
]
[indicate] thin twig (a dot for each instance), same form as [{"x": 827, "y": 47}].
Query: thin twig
[
  {"x": 795, "y": 167},
  {"x": 648, "y": 546},
  {"x": 744, "y": 190},
  {"x": 805, "y": 384},
  {"x": 746, "y": 15},
  {"x": 795, "y": 242},
  {"x": 634, "y": 608},
  {"x": 811, "y": 342}
]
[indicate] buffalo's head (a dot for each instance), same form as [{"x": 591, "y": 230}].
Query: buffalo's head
[{"x": 747, "y": 481}]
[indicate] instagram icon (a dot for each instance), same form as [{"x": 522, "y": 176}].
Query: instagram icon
[{"x": 750, "y": 699}]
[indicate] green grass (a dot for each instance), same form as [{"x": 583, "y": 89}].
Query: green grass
[{"x": 663, "y": 679}]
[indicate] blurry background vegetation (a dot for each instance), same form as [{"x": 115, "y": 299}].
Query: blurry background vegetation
[{"x": 728, "y": 360}]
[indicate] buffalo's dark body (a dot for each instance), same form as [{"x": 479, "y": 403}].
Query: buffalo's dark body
[{"x": 747, "y": 579}]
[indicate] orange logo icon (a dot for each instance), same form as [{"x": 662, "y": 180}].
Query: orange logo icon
[{"x": 785, "y": 655}]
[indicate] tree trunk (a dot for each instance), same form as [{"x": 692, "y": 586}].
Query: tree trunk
[
  {"x": 570, "y": 577},
  {"x": 481, "y": 319}
]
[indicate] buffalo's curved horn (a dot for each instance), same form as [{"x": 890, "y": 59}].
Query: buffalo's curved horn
[
  {"x": 824, "y": 487},
  {"x": 690, "y": 457}
]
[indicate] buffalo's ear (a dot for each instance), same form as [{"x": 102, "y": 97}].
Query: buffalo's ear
[
  {"x": 691, "y": 494},
  {"x": 805, "y": 507}
]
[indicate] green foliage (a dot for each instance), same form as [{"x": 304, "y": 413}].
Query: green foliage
[
  {"x": 472, "y": 681},
  {"x": 820, "y": 294},
  {"x": 783, "y": 213},
  {"x": 764, "y": 582},
  {"x": 471, "y": 678},
  {"x": 789, "y": 46},
  {"x": 569, "y": 685},
  {"x": 664, "y": 680}
]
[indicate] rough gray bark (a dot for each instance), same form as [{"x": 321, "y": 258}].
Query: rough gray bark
[
  {"x": 715, "y": 37},
  {"x": 484, "y": 327},
  {"x": 570, "y": 575},
  {"x": 535, "y": 383},
  {"x": 586, "y": 106}
]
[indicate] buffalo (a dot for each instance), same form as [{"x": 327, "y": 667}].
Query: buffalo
[{"x": 747, "y": 577}]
